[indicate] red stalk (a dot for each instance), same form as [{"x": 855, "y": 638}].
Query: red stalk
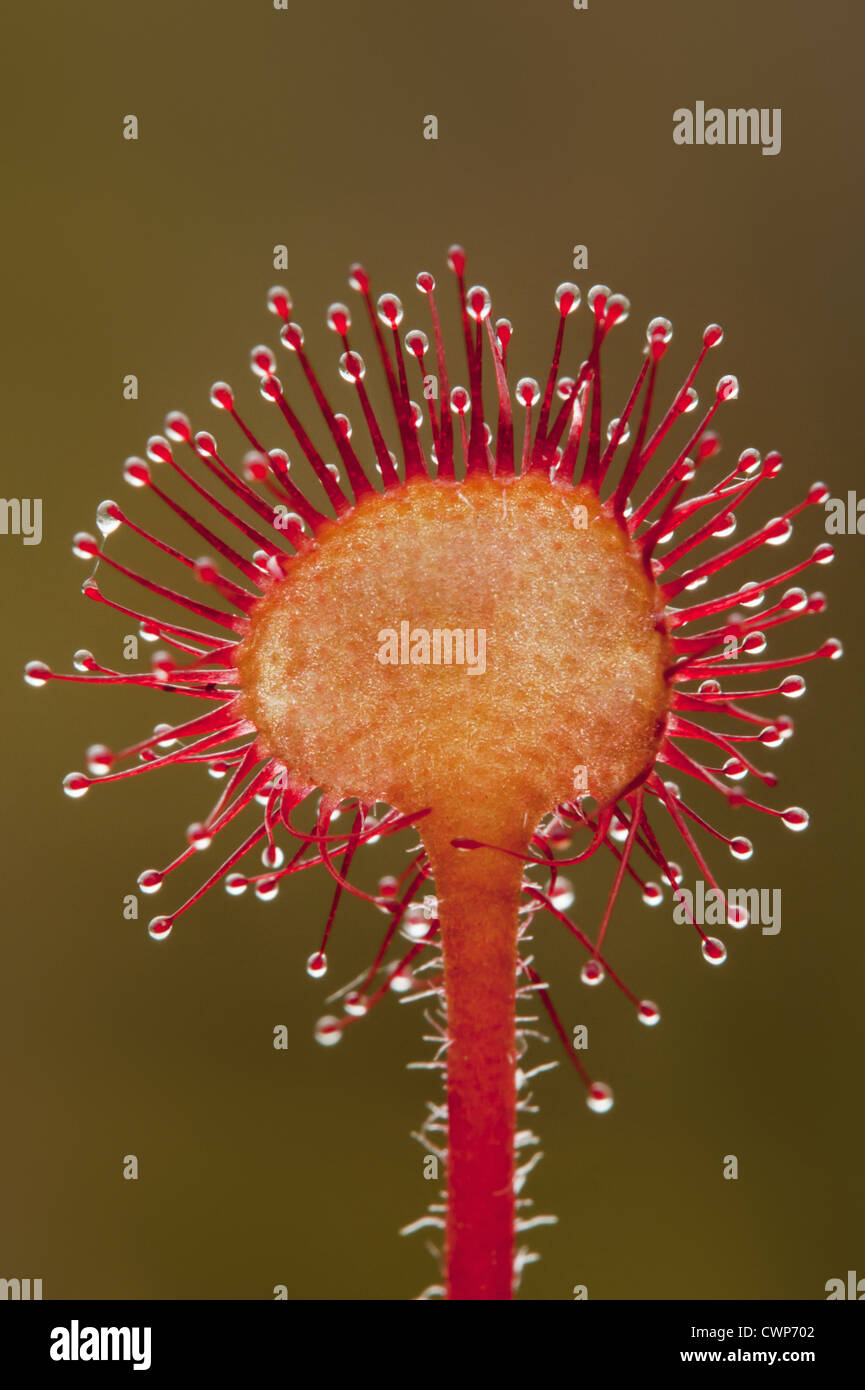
[{"x": 478, "y": 898}]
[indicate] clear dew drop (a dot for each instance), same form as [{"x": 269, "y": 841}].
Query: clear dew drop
[
  {"x": 618, "y": 308},
  {"x": 291, "y": 336},
  {"x": 737, "y": 916},
  {"x": 751, "y": 595},
  {"x": 415, "y": 924},
  {"x": 612, "y": 429},
  {"x": 659, "y": 330},
  {"x": 714, "y": 951},
  {"x": 339, "y": 318},
  {"x": 793, "y": 687},
  {"x": 168, "y": 740},
  {"x": 279, "y": 458},
  {"x": 528, "y": 392},
  {"x": 205, "y": 444},
  {"x": 416, "y": 342},
  {"x": 741, "y": 848},
  {"x": 653, "y": 895},
  {"x": 158, "y": 449},
  {"x": 272, "y": 857},
  {"x": 795, "y": 818},
  {"x": 279, "y": 301},
  {"x": 75, "y": 784},
  {"x": 558, "y": 834},
  {"x": 355, "y": 1004},
  {"x": 562, "y": 896},
  {"x": 108, "y": 517},
  {"x": 270, "y": 388},
  {"x": 221, "y": 395},
  {"x": 567, "y": 297},
  {"x": 266, "y": 889},
  {"x": 748, "y": 463},
  {"x": 316, "y": 966},
  {"x": 136, "y": 473},
  {"x": 389, "y": 309},
  {"x": 479, "y": 303},
  {"x": 177, "y": 426},
  {"x": 262, "y": 361},
  {"x": 599, "y": 1097},
  {"x": 198, "y": 836},
  {"x": 235, "y": 884},
  {"x": 735, "y": 770},
  {"x": 369, "y": 824},
  {"x": 592, "y": 973},
  {"x": 328, "y": 1031},
  {"x": 160, "y": 928},
  {"x": 727, "y": 388},
  {"x": 85, "y": 546},
  {"x": 724, "y": 526},
  {"x": 163, "y": 665},
  {"x": 150, "y": 881},
  {"x": 781, "y": 531},
  {"x": 795, "y": 600},
  {"x": 352, "y": 367},
  {"x": 36, "y": 673},
  {"x": 771, "y": 736},
  {"x": 648, "y": 1013}
]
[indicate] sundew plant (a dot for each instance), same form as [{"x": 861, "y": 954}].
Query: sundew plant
[{"x": 499, "y": 618}]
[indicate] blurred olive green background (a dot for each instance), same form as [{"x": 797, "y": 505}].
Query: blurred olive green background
[{"x": 304, "y": 127}]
